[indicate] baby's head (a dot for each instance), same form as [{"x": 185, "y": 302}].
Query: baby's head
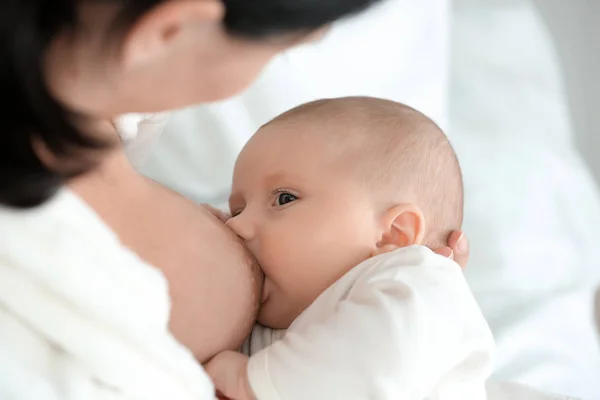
[{"x": 331, "y": 183}]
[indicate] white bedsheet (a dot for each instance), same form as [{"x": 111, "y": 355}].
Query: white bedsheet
[{"x": 532, "y": 210}]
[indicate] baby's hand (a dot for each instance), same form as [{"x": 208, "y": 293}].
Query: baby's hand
[{"x": 229, "y": 372}]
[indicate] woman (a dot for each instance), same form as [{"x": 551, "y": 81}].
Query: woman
[{"x": 81, "y": 316}]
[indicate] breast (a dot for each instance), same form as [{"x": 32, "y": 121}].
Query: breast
[
  {"x": 214, "y": 283},
  {"x": 215, "y": 293}
]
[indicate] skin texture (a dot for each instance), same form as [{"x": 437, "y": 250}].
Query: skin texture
[{"x": 175, "y": 55}]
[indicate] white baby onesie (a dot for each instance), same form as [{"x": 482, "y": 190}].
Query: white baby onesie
[{"x": 402, "y": 325}]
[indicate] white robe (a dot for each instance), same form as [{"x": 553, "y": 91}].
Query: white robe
[{"x": 82, "y": 317}]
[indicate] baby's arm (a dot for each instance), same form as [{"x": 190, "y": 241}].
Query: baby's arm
[{"x": 229, "y": 372}]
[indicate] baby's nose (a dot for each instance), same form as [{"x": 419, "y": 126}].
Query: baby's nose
[{"x": 242, "y": 226}]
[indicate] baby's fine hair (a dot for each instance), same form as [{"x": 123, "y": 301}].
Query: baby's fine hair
[{"x": 399, "y": 153}]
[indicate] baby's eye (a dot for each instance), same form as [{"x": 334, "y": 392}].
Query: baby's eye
[{"x": 284, "y": 198}]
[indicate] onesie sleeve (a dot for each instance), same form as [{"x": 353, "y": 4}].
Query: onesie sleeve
[{"x": 404, "y": 330}]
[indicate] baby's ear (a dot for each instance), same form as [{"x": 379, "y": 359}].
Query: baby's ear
[{"x": 402, "y": 225}]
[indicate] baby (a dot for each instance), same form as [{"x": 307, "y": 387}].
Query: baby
[{"x": 340, "y": 201}]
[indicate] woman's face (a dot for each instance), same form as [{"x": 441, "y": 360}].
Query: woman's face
[{"x": 176, "y": 55}]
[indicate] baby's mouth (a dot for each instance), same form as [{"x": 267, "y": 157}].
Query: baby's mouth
[{"x": 265, "y": 284}]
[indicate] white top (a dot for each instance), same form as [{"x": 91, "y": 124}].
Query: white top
[
  {"x": 402, "y": 325},
  {"x": 82, "y": 317}
]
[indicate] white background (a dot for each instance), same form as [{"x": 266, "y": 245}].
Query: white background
[{"x": 575, "y": 27}]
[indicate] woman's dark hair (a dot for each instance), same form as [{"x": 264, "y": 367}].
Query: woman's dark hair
[{"x": 31, "y": 115}]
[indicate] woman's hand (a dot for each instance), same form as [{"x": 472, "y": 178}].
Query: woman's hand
[{"x": 457, "y": 249}]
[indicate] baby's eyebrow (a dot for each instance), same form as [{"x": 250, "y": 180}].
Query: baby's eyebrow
[{"x": 275, "y": 179}]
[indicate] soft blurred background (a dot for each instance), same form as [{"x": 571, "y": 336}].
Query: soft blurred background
[{"x": 515, "y": 85}]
